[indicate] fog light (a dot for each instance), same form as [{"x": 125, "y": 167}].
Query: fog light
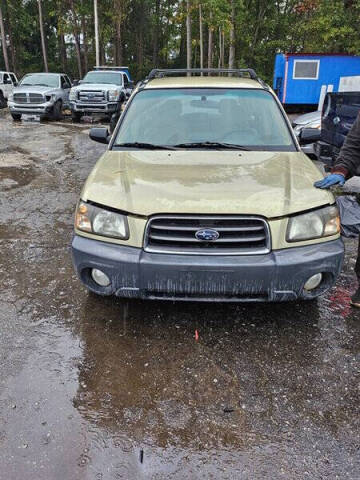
[
  {"x": 313, "y": 282},
  {"x": 100, "y": 278}
]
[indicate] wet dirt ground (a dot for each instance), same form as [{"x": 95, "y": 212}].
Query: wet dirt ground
[{"x": 105, "y": 389}]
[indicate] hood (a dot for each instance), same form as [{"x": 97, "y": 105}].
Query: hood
[
  {"x": 96, "y": 86},
  {"x": 270, "y": 184},
  {"x": 307, "y": 118},
  {"x": 34, "y": 89}
]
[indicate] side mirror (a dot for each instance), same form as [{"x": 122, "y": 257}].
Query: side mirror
[
  {"x": 76, "y": 83},
  {"x": 16, "y": 84},
  {"x": 131, "y": 84},
  {"x": 66, "y": 86},
  {"x": 100, "y": 135},
  {"x": 309, "y": 135}
]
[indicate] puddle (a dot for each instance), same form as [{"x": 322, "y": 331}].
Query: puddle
[{"x": 15, "y": 177}]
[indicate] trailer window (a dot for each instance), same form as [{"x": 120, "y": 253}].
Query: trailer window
[{"x": 306, "y": 69}]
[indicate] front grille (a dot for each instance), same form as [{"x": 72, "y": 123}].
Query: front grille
[
  {"x": 93, "y": 96},
  {"x": 28, "y": 98},
  {"x": 237, "y": 235}
]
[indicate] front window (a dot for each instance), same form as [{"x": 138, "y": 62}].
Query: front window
[
  {"x": 111, "y": 78},
  {"x": 41, "y": 79},
  {"x": 243, "y": 117}
]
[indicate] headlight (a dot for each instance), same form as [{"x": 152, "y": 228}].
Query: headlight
[
  {"x": 48, "y": 98},
  {"x": 72, "y": 94},
  {"x": 317, "y": 224},
  {"x": 99, "y": 221},
  {"x": 113, "y": 95}
]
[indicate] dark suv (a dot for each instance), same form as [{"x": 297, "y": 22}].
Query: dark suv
[{"x": 339, "y": 113}]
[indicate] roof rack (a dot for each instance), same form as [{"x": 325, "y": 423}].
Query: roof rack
[
  {"x": 106, "y": 67},
  {"x": 239, "y": 72}
]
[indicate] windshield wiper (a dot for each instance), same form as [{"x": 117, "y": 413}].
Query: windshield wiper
[
  {"x": 145, "y": 146},
  {"x": 230, "y": 146}
]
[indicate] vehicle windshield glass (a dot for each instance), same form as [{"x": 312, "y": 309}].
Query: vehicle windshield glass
[
  {"x": 112, "y": 78},
  {"x": 246, "y": 117},
  {"x": 43, "y": 79}
]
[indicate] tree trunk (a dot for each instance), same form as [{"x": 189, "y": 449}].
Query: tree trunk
[
  {"x": 188, "y": 36},
  {"x": 76, "y": 33},
  {"x": 85, "y": 47},
  {"x": 8, "y": 28},
  {"x": 156, "y": 34},
  {"x": 3, "y": 41},
  {"x": 232, "y": 36},
  {"x": 43, "y": 44},
  {"x": 62, "y": 49},
  {"x": 118, "y": 33},
  {"x": 201, "y": 38},
  {"x": 210, "y": 44},
  {"x": 96, "y": 22}
]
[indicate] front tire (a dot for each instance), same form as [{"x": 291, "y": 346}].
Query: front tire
[
  {"x": 76, "y": 117},
  {"x": 16, "y": 117},
  {"x": 57, "y": 111},
  {"x": 3, "y": 101}
]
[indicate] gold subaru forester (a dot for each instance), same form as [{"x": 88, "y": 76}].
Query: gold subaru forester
[{"x": 204, "y": 194}]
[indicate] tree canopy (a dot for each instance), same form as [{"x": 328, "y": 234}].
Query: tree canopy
[{"x": 144, "y": 34}]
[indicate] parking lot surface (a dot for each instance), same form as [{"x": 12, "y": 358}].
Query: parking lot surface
[{"x": 94, "y": 388}]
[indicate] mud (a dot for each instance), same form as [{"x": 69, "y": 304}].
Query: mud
[{"x": 108, "y": 389}]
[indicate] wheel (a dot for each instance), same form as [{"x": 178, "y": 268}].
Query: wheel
[
  {"x": 76, "y": 117},
  {"x": 113, "y": 121},
  {"x": 57, "y": 111},
  {"x": 16, "y": 117},
  {"x": 3, "y": 101}
]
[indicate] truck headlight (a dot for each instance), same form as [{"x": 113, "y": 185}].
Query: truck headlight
[
  {"x": 72, "y": 94},
  {"x": 113, "y": 95},
  {"x": 99, "y": 221},
  {"x": 317, "y": 224}
]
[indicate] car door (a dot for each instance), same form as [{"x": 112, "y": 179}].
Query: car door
[
  {"x": 65, "y": 85},
  {"x": 127, "y": 85},
  {"x": 8, "y": 85}
]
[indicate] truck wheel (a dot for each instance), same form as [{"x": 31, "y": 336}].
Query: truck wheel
[
  {"x": 3, "y": 101},
  {"x": 76, "y": 117},
  {"x": 16, "y": 117},
  {"x": 57, "y": 111}
]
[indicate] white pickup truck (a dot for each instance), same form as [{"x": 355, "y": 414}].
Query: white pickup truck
[{"x": 8, "y": 81}]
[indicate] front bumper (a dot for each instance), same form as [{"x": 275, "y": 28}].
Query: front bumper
[
  {"x": 31, "y": 108},
  {"x": 277, "y": 276},
  {"x": 94, "y": 108}
]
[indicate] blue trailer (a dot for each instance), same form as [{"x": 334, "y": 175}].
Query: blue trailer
[{"x": 303, "y": 79}]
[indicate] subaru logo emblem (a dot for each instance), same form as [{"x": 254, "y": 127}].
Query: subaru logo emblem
[{"x": 207, "y": 235}]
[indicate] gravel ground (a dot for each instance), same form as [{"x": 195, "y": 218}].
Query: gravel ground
[{"x": 109, "y": 389}]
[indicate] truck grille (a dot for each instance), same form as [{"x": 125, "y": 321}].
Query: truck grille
[
  {"x": 92, "y": 96},
  {"x": 28, "y": 98},
  {"x": 237, "y": 235}
]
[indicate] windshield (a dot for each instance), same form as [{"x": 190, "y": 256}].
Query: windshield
[
  {"x": 103, "y": 77},
  {"x": 243, "y": 117},
  {"x": 42, "y": 79}
]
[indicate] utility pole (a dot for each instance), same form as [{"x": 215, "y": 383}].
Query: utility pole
[
  {"x": 96, "y": 18},
  {"x": 3, "y": 42},
  {"x": 43, "y": 45}
]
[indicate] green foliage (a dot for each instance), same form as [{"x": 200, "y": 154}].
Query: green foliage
[{"x": 152, "y": 32}]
